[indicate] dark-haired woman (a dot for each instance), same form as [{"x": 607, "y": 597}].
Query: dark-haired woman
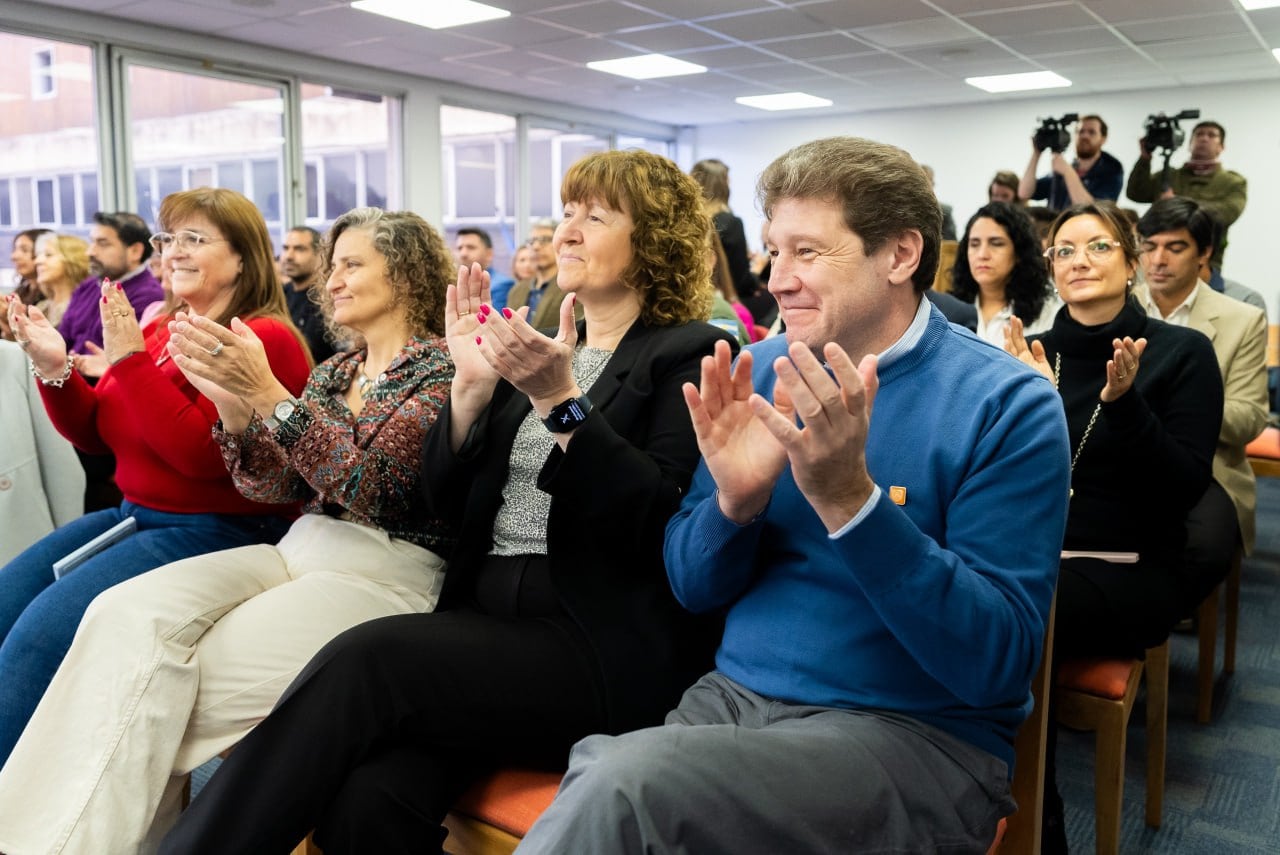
[
  {"x": 1144, "y": 404},
  {"x": 1000, "y": 269},
  {"x": 562, "y": 460}
]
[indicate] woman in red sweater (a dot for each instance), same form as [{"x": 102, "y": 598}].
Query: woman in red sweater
[{"x": 177, "y": 490}]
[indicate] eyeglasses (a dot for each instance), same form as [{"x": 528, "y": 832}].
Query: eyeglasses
[
  {"x": 1096, "y": 250},
  {"x": 540, "y": 240},
  {"x": 183, "y": 241}
]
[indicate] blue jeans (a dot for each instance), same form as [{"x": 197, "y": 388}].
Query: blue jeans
[{"x": 39, "y": 617}]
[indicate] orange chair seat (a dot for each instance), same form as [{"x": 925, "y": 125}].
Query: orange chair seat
[
  {"x": 1103, "y": 678},
  {"x": 1267, "y": 444},
  {"x": 510, "y": 799}
]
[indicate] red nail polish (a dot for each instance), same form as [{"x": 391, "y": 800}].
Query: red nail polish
[
  {"x": 119, "y": 287},
  {"x": 104, "y": 300},
  {"x": 480, "y": 317},
  {"x": 477, "y": 339},
  {"x": 506, "y": 313},
  {"x": 485, "y": 308}
]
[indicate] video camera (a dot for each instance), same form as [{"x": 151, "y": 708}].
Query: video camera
[
  {"x": 1163, "y": 132},
  {"x": 1053, "y": 134}
]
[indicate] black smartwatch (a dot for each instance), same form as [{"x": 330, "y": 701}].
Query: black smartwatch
[{"x": 567, "y": 416}]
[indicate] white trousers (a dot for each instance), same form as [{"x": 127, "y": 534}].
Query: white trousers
[{"x": 178, "y": 664}]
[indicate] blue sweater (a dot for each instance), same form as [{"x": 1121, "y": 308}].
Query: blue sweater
[{"x": 935, "y": 608}]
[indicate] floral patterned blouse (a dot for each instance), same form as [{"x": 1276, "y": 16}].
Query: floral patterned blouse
[{"x": 363, "y": 468}]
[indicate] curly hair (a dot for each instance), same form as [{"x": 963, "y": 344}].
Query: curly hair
[
  {"x": 419, "y": 267},
  {"x": 881, "y": 192},
  {"x": 1027, "y": 288},
  {"x": 668, "y": 266},
  {"x": 74, "y": 252}
]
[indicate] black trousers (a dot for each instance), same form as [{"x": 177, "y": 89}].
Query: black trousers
[
  {"x": 1213, "y": 533},
  {"x": 393, "y": 719}
]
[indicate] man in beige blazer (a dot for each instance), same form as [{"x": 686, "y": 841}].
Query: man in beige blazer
[
  {"x": 1177, "y": 235},
  {"x": 541, "y": 292}
]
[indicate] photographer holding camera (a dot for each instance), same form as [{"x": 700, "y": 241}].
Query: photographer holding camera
[
  {"x": 1093, "y": 175},
  {"x": 1202, "y": 177}
]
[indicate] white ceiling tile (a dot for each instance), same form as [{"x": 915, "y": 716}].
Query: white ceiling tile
[
  {"x": 600, "y": 17},
  {"x": 726, "y": 57},
  {"x": 771, "y": 24},
  {"x": 1208, "y": 48},
  {"x": 695, "y": 9},
  {"x": 968, "y": 7},
  {"x": 665, "y": 39},
  {"x": 926, "y": 31},
  {"x": 806, "y": 48},
  {"x": 1129, "y": 10},
  {"x": 846, "y": 15},
  {"x": 1019, "y": 21},
  {"x": 188, "y": 15},
  {"x": 580, "y": 51},
  {"x": 875, "y": 63},
  {"x": 1201, "y": 26},
  {"x": 1090, "y": 38}
]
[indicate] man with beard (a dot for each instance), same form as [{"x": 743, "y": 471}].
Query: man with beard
[
  {"x": 1222, "y": 192},
  {"x": 1093, "y": 175},
  {"x": 300, "y": 262},
  {"x": 118, "y": 250}
]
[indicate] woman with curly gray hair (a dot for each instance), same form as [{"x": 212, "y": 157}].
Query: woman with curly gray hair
[{"x": 178, "y": 664}]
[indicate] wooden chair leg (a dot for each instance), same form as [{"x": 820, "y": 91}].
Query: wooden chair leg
[
  {"x": 1108, "y": 778},
  {"x": 1207, "y": 618},
  {"x": 1157, "y": 676},
  {"x": 1233, "y": 613}
]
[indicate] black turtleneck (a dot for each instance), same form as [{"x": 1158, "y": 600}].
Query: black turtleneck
[{"x": 1149, "y": 457}]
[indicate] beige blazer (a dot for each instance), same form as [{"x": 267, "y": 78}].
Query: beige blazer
[
  {"x": 41, "y": 480},
  {"x": 1239, "y": 335},
  {"x": 547, "y": 315}
]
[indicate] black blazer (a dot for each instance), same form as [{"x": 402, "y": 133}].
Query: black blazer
[{"x": 612, "y": 493}]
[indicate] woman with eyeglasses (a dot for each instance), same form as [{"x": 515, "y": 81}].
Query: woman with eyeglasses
[
  {"x": 182, "y": 661},
  {"x": 1000, "y": 269},
  {"x": 179, "y": 499},
  {"x": 1144, "y": 403}
]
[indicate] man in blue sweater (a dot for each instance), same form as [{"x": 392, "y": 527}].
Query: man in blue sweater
[{"x": 882, "y": 536}]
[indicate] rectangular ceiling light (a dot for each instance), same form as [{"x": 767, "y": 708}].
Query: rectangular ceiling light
[
  {"x": 435, "y": 16},
  {"x": 1250, "y": 5},
  {"x": 783, "y": 101},
  {"x": 647, "y": 67},
  {"x": 1276, "y": 54},
  {"x": 1019, "y": 82}
]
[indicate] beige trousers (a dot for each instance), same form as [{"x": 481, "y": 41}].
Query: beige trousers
[{"x": 178, "y": 664}]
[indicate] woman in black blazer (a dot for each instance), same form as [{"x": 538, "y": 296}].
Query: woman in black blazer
[{"x": 560, "y": 461}]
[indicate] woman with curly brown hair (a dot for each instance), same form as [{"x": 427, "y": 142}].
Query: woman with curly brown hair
[
  {"x": 561, "y": 459},
  {"x": 176, "y": 665}
]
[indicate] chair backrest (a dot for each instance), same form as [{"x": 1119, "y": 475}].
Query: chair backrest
[
  {"x": 946, "y": 260},
  {"x": 1022, "y": 834}
]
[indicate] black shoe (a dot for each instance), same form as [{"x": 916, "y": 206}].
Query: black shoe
[{"x": 1053, "y": 829}]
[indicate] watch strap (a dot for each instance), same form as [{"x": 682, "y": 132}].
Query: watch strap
[{"x": 568, "y": 415}]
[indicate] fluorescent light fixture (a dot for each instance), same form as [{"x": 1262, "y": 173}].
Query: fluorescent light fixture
[
  {"x": 1276, "y": 54},
  {"x": 435, "y": 16},
  {"x": 1250, "y": 5},
  {"x": 1019, "y": 82},
  {"x": 647, "y": 66},
  {"x": 783, "y": 101}
]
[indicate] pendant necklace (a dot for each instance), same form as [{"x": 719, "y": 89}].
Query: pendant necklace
[{"x": 1057, "y": 371}]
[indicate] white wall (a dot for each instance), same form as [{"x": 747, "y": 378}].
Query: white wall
[{"x": 967, "y": 145}]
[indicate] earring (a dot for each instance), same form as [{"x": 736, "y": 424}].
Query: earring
[{"x": 1128, "y": 283}]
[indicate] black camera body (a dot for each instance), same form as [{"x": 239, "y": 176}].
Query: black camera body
[
  {"x": 1164, "y": 132},
  {"x": 1053, "y": 134}
]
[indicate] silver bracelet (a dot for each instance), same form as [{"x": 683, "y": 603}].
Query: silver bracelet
[{"x": 55, "y": 382}]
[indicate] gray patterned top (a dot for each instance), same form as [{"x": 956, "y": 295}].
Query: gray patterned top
[{"x": 521, "y": 525}]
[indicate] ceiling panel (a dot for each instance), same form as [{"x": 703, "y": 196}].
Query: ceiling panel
[
  {"x": 1017, "y": 22},
  {"x": 846, "y": 15},
  {"x": 601, "y": 17},
  {"x": 807, "y": 48},
  {"x": 926, "y": 31},
  {"x": 1201, "y": 26},
  {"x": 669, "y": 38},
  {"x": 863, "y": 63},
  {"x": 1089, "y": 38},
  {"x": 770, "y": 24},
  {"x": 696, "y": 9},
  {"x": 1130, "y": 10}
]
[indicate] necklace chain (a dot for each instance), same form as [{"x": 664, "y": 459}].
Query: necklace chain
[{"x": 1057, "y": 373}]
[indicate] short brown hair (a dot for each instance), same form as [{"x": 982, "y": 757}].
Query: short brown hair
[
  {"x": 257, "y": 292},
  {"x": 1093, "y": 117},
  {"x": 419, "y": 266},
  {"x": 880, "y": 189},
  {"x": 668, "y": 266},
  {"x": 713, "y": 177}
]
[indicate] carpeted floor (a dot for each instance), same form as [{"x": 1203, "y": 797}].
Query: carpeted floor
[{"x": 1222, "y": 782}]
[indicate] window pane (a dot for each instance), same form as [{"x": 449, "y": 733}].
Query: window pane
[
  {"x": 180, "y": 122},
  {"x": 266, "y": 192},
  {"x": 483, "y": 178},
  {"x": 231, "y": 175},
  {"x": 339, "y": 185},
  {"x": 375, "y": 178},
  {"x": 89, "y": 195},
  {"x": 47, "y": 131},
  {"x": 662, "y": 147},
  {"x": 339, "y": 126},
  {"x": 67, "y": 200},
  {"x": 44, "y": 201}
]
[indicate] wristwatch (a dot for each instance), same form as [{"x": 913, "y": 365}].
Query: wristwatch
[
  {"x": 568, "y": 415},
  {"x": 281, "y": 413}
]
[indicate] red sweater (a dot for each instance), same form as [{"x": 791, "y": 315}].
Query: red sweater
[{"x": 159, "y": 427}]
